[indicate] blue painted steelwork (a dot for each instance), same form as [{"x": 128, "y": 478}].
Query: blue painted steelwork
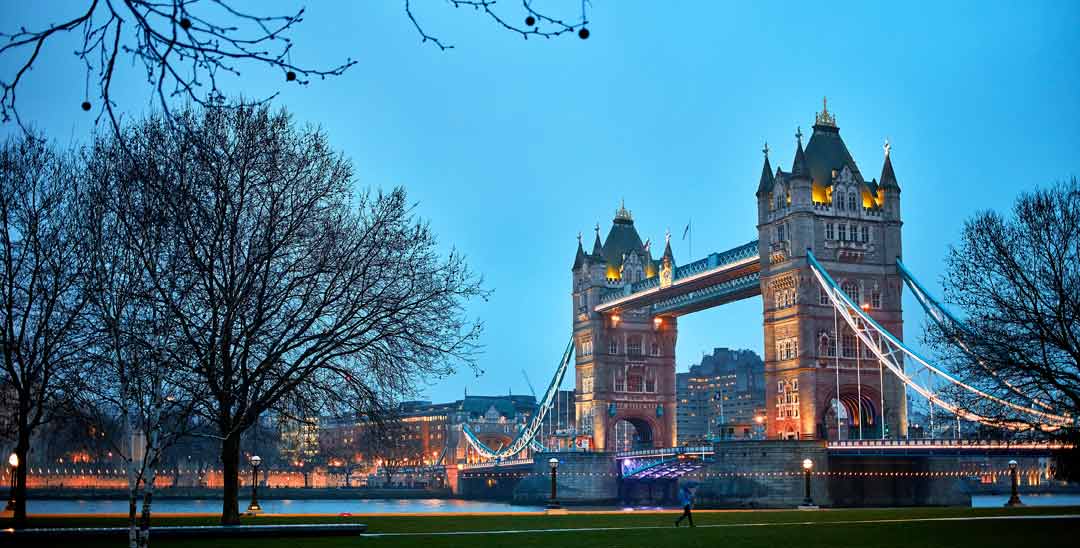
[
  {"x": 711, "y": 262},
  {"x": 721, "y": 289},
  {"x": 668, "y": 462},
  {"x": 886, "y": 347},
  {"x": 527, "y": 435},
  {"x": 946, "y": 319}
]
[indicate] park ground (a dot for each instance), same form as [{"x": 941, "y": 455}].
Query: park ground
[{"x": 900, "y": 527}]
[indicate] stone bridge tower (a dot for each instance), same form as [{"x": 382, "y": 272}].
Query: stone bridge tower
[
  {"x": 625, "y": 360},
  {"x": 853, "y": 226}
]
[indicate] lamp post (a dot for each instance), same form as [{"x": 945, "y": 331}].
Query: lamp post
[
  {"x": 254, "y": 507},
  {"x": 13, "y": 461},
  {"x": 807, "y": 503},
  {"x": 554, "y": 502},
  {"x": 1014, "y": 499}
]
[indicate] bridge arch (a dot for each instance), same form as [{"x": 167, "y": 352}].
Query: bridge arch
[
  {"x": 629, "y": 430},
  {"x": 853, "y": 411}
]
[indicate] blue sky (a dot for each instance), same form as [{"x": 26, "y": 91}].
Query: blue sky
[{"x": 512, "y": 147}]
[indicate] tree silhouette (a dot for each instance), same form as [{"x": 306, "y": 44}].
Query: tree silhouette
[{"x": 184, "y": 46}]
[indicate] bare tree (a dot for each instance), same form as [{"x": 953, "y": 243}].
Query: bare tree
[
  {"x": 185, "y": 46},
  {"x": 139, "y": 359},
  {"x": 536, "y": 24},
  {"x": 386, "y": 443},
  {"x": 290, "y": 292},
  {"x": 41, "y": 301},
  {"x": 1016, "y": 281}
]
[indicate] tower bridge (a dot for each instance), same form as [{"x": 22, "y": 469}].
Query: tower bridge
[{"x": 827, "y": 263}]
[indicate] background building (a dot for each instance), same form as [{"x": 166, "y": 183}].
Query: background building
[{"x": 723, "y": 397}]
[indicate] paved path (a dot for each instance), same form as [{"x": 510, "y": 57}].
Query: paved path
[{"x": 769, "y": 524}]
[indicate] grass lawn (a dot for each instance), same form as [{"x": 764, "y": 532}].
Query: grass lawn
[{"x": 878, "y": 527}]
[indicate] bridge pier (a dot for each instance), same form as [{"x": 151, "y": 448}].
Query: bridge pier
[{"x": 584, "y": 478}]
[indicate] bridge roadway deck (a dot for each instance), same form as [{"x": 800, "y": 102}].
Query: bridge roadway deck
[
  {"x": 719, "y": 278},
  {"x": 917, "y": 447}
]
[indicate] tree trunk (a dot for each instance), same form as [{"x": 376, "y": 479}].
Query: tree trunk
[
  {"x": 230, "y": 462},
  {"x": 148, "y": 494},
  {"x": 22, "y": 447}
]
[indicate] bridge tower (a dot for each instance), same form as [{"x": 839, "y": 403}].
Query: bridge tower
[
  {"x": 625, "y": 360},
  {"x": 853, "y": 226}
]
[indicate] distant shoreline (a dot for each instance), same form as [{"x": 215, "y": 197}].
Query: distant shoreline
[{"x": 277, "y": 493}]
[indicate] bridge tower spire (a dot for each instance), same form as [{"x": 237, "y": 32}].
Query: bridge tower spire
[
  {"x": 853, "y": 227},
  {"x": 625, "y": 359}
]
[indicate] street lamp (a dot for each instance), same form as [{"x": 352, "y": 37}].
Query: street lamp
[
  {"x": 254, "y": 507},
  {"x": 13, "y": 461},
  {"x": 1014, "y": 500},
  {"x": 554, "y": 464},
  {"x": 807, "y": 502}
]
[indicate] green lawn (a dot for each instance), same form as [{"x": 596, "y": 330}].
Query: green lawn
[{"x": 728, "y": 529}]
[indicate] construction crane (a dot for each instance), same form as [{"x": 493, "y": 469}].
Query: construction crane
[{"x": 527, "y": 382}]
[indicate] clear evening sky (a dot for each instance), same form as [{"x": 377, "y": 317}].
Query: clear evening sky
[{"x": 512, "y": 147}]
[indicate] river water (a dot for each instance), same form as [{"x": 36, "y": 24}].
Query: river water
[
  {"x": 283, "y": 506},
  {"x": 383, "y": 506}
]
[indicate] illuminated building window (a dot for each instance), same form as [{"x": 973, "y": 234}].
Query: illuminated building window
[{"x": 586, "y": 347}]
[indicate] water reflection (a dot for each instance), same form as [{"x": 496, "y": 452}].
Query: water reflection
[{"x": 283, "y": 506}]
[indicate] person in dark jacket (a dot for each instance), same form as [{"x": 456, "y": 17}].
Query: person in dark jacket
[{"x": 686, "y": 498}]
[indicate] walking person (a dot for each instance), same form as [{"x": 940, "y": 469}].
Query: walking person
[{"x": 686, "y": 498}]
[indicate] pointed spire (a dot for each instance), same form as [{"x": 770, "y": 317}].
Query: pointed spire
[
  {"x": 799, "y": 167},
  {"x": 579, "y": 258},
  {"x": 888, "y": 176},
  {"x": 824, "y": 118},
  {"x": 597, "y": 246},
  {"x": 765, "y": 184},
  {"x": 667, "y": 248}
]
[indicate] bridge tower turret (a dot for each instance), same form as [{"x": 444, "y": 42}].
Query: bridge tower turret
[
  {"x": 853, "y": 227},
  {"x": 625, "y": 359}
]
